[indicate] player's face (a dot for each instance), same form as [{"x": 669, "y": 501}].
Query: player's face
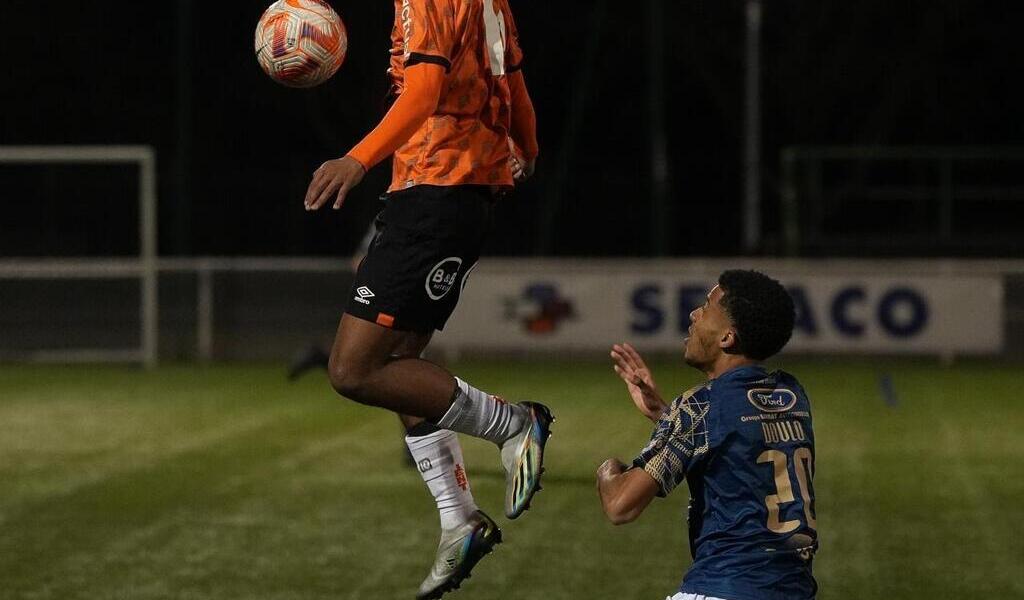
[{"x": 710, "y": 331}]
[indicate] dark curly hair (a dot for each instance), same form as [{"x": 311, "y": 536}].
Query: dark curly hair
[{"x": 760, "y": 309}]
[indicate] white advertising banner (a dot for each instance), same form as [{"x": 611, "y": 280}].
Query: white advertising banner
[{"x": 564, "y": 305}]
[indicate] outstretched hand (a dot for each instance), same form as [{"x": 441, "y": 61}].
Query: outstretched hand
[
  {"x": 334, "y": 178},
  {"x": 632, "y": 369}
]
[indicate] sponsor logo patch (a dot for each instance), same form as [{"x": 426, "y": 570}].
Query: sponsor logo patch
[
  {"x": 541, "y": 309},
  {"x": 772, "y": 400},
  {"x": 441, "y": 279},
  {"x": 424, "y": 465}
]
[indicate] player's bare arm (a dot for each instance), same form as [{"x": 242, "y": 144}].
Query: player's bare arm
[
  {"x": 633, "y": 371},
  {"x": 625, "y": 493},
  {"x": 335, "y": 178}
]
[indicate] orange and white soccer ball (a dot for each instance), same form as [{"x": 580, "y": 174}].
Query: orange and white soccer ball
[{"x": 300, "y": 43}]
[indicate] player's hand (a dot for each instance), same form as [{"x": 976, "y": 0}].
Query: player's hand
[
  {"x": 522, "y": 169},
  {"x": 632, "y": 369},
  {"x": 334, "y": 179}
]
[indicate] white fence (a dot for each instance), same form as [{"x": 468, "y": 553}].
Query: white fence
[
  {"x": 142, "y": 267},
  {"x": 942, "y": 308}
]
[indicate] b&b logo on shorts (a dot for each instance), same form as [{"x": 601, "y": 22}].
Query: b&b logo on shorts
[{"x": 441, "y": 278}]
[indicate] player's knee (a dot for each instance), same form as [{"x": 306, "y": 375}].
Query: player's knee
[{"x": 348, "y": 379}]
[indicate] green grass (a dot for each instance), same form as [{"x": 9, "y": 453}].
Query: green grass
[{"x": 227, "y": 482}]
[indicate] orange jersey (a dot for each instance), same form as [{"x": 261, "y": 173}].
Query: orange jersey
[{"x": 465, "y": 141}]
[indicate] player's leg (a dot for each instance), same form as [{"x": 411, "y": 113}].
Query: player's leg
[
  {"x": 363, "y": 368},
  {"x": 410, "y": 280},
  {"x": 437, "y": 453},
  {"x": 467, "y": 534}
]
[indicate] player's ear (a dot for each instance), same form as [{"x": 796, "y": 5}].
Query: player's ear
[{"x": 728, "y": 340}]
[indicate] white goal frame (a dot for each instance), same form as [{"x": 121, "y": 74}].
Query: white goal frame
[{"x": 144, "y": 267}]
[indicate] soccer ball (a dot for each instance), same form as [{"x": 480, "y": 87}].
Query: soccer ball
[{"x": 300, "y": 43}]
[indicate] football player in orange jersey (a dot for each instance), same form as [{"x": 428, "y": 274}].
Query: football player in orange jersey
[{"x": 461, "y": 96}]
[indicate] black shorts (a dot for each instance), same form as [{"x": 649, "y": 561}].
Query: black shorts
[{"x": 428, "y": 240}]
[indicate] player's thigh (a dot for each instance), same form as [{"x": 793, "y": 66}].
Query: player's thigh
[
  {"x": 361, "y": 346},
  {"x": 412, "y": 344}
]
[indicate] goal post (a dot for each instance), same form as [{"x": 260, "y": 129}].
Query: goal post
[{"x": 144, "y": 267}]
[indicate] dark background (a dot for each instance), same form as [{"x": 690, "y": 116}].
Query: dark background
[{"x": 235, "y": 150}]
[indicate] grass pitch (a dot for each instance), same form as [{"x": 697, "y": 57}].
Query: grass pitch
[{"x": 228, "y": 482}]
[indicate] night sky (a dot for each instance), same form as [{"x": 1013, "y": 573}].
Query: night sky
[{"x": 235, "y": 150}]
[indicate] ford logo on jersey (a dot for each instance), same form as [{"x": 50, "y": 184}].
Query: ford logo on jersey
[{"x": 772, "y": 400}]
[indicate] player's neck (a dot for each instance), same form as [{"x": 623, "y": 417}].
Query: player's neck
[{"x": 727, "y": 362}]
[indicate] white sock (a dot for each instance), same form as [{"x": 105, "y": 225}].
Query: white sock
[
  {"x": 482, "y": 415},
  {"x": 438, "y": 457}
]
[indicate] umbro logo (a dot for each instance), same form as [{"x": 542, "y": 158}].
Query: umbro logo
[{"x": 364, "y": 293}]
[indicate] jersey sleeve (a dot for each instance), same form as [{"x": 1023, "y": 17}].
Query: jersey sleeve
[
  {"x": 680, "y": 439},
  {"x": 396, "y": 62},
  {"x": 513, "y": 52},
  {"x": 428, "y": 32},
  {"x": 412, "y": 108}
]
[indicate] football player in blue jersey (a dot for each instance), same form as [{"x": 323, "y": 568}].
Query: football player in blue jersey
[{"x": 743, "y": 442}]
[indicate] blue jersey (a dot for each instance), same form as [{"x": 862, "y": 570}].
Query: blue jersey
[{"x": 745, "y": 446}]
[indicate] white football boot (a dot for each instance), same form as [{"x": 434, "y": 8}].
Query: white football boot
[
  {"x": 457, "y": 553},
  {"x": 523, "y": 458}
]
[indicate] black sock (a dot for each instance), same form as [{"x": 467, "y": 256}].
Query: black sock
[{"x": 422, "y": 429}]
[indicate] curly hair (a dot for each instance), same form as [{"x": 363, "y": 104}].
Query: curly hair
[{"x": 760, "y": 309}]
